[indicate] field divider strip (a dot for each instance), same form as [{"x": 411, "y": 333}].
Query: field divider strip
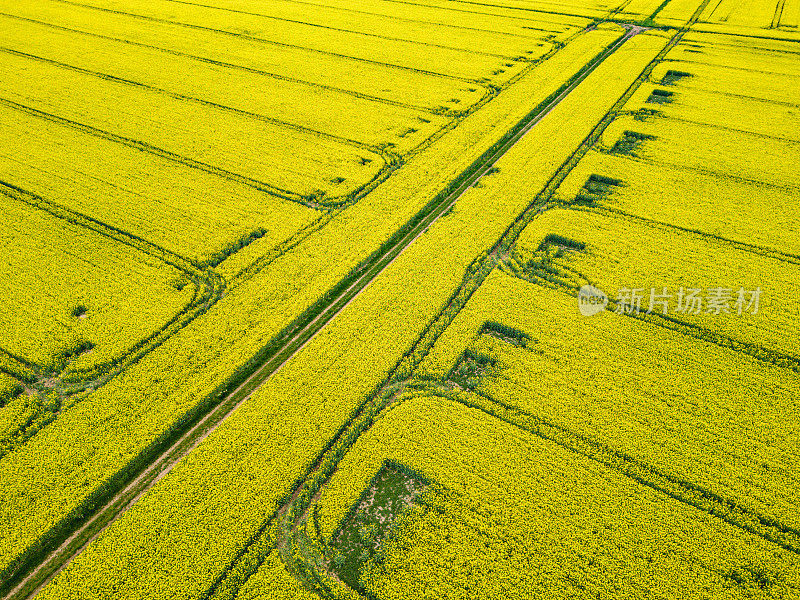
[
  {"x": 476, "y": 274},
  {"x": 324, "y": 466},
  {"x": 162, "y": 455}
]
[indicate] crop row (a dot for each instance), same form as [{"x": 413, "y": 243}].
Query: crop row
[
  {"x": 116, "y": 65},
  {"x": 618, "y": 253},
  {"x": 376, "y": 82}
]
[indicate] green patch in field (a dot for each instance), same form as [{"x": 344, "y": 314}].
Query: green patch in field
[
  {"x": 596, "y": 188},
  {"x": 561, "y": 242},
  {"x": 751, "y": 578},
  {"x": 671, "y": 76},
  {"x": 79, "y": 312},
  {"x": 407, "y": 132},
  {"x": 507, "y": 334},
  {"x": 544, "y": 265},
  {"x": 630, "y": 142},
  {"x": 390, "y": 494},
  {"x": 469, "y": 369},
  {"x": 658, "y": 96},
  {"x": 645, "y": 114}
]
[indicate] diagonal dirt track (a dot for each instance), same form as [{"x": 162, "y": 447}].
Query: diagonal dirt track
[{"x": 27, "y": 583}]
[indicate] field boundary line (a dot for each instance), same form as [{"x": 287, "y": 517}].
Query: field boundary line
[
  {"x": 729, "y": 44},
  {"x": 735, "y": 130},
  {"x": 741, "y": 96},
  {"x": 209, "y": 286},
  {"x": 698, "y": 332},
  {"x": 509, "y": 8},
  {"x": 788, "y": 188},
  {"x": 399, "y": 18},
  {"x": 373, "y": 405},
  {"x": 476, "y": 274},
  {"x": 776, "y": 19},
  {"x": 733, "y": 67},
  {"x": 255, "y": 267},
  {"x": 764, "y": 251},
  {"x": 714, "y": 174},
  {"x": 690, "y": 87},
  {"x": 755, "y": 36}
]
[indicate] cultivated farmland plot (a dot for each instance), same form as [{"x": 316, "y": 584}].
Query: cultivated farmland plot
[{"x": 385, "y": 299}]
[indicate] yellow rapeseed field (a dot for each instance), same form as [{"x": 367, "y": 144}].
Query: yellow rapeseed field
[{"x": 399, "y": 299}]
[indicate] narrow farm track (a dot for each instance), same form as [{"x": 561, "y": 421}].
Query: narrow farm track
[{"x": 28, "y": 583}]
